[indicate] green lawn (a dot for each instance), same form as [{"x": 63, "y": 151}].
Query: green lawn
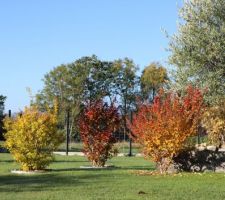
[
  {"x": 68, "y": 181},
  {"x": 123, "y": 147}
]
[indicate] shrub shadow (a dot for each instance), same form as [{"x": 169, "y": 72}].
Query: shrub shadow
[
  {"x": 200, "y": 161},
  {"x": 8, "y": 161},
  {"x": 69, "y": 161},
  {"x": 113, "y": 168},
  {"x": 42, "y": 182}
]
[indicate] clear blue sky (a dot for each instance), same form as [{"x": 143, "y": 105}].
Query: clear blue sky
[{"x": 36, "y": 36}]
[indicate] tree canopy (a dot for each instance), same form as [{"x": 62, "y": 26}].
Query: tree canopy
[
  {"x": 86, "y": 80},
  {"x": 153, "y": 77},
  {"x": 197, "y": 50}
]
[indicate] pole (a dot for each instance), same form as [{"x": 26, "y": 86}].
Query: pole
[
  {"x": 130, "y": 140},
  {"x": 67, "y": 131},
  {"x": 10, "y": 113}
]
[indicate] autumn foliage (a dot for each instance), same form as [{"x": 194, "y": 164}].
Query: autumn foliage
[
  {"x": 213, "y": 120},
  {"x": 163, "y": 127},
  {"x": 97, "y": 124},
  {"x": 32, "y": 137}
]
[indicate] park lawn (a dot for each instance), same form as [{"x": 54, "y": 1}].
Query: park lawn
[
  {"x": 68, "y": 181},
  {"x": 123, "y": 147}
]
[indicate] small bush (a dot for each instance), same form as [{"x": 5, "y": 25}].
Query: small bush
[
  {"x": 32, "y": 137},
  {"x": 97, "y": 124}
]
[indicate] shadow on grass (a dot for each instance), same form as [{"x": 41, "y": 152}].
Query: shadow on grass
[
  {"x": 7, "y": 161},
  {"x": 77, "y": 169},
  {"x": 69, "y": 161},
  {"x": 42, "y": 182},
  {"x": 138, "y": 168},
  {"x": 71, "y": 150},
  {"x": 52, "y": 181},
  {"x": 54, "y": 161},
  {"x": 113, "y": 168}
]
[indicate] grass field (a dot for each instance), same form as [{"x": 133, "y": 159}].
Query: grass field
[
  {"x": 68, "y": 181},
  {"x": 123, "y": 147}
]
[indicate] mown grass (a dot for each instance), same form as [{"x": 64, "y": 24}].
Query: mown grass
[
  {"x": 68, "y": 181},
  {"x": 123, "y": 147}
]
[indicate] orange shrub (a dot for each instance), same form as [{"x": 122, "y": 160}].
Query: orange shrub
[{"x": 163, "y": 127}]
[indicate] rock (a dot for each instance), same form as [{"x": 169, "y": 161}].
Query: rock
[
  {"x": 222, "y": 150},
  {"x": 95, "y": 167},
  {"x": 28, "y": 172},
  {"x": 195, "y": 168},
  {"x": 211, "y": 148},
  {"x": 208, "y": 171},
  {"x": 172, "y": 169},
  {"x": 203, "y": 144},
  {"x": 201, "y": 148},
  {"x": 220, "y": 169}
]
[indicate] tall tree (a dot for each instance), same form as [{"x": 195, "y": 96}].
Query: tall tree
[
  {"x": 125, "y": 86},
  {"x": 98, "y": 82},
  {"x": 197, "y": 50},
  {"x": 153, "y": 77},
  {"x": 84, "y": 80},
  {"x": 64, "y": 84},
  {"x": 2, "y": 107}
]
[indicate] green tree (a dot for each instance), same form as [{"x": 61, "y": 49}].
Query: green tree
[
  {"x": 86, "y": 79},
  {"x": 125, "y": 86},
  {"x": 153, "y": 77},
  {"x": 98, "y": 80},
  {"x": 65, "y": 84},
  {"x": 197, "y": 50}
]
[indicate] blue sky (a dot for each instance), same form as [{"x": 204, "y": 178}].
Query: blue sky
[{"x": 36, "y": 36}]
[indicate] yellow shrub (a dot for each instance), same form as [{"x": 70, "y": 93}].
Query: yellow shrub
[
  {"x": 214, "y": 122},
  {"x": 32, "y": 138}
]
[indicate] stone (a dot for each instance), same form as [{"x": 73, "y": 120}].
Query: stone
[
  {"x": 201, "y": 148},
  {"x": 211, "y": 148},
  {"x": 15, "y": 171},
  {"x": 94, "y": 167},
  {"x": 220, "y": 169},
  {"x": 172, "y": 169}
]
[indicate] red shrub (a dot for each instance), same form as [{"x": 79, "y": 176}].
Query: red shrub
[{"x": 97, "y": 124}]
